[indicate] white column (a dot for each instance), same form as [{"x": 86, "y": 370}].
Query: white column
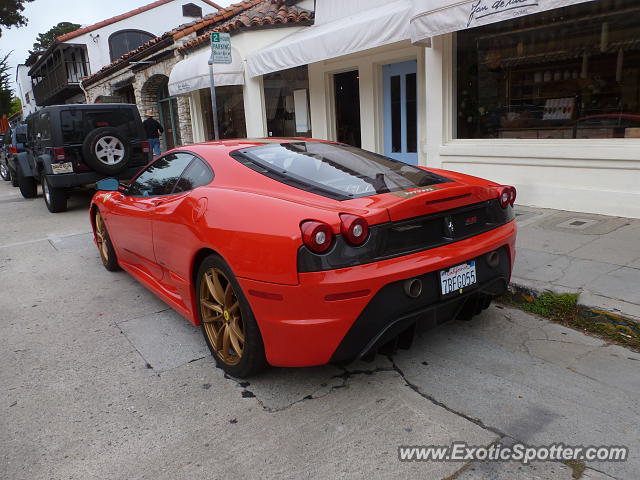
[
  {"x": 254, "y": 110},
  {"x": 318, "y": 102},
  {"x": 437, "y": 100},
  {"x": 369, "y": 134},
  {"x": 197, "y": 120}
]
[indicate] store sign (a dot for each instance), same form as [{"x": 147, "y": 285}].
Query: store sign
[
  {"x": 431, "y": 18},
  {"x": 220, "y": 47},
  {"x": 482, "y": 9}
]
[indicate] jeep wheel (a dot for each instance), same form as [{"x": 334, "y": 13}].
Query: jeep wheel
[
  {"x": 14, "y": 178},
  {"x": 106, "y": 150},
  {"x": 4, "y": 171},
  {"x": 28, "y": 186},
  {"x": 54, "y": 198}
]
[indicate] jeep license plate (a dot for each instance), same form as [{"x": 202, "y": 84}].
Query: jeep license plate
[
  {"x": 65, "y": 167},
  {"x": 457, "y": 278}
]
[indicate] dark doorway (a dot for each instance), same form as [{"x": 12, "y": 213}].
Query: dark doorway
[{"x": 347, "y": 88}]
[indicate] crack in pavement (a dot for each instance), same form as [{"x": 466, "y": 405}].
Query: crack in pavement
[
  {"x": 426, "y": 396},
  {"x": 324, "y": 390}
]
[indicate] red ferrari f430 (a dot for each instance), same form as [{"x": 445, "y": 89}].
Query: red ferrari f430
[{"x": 292, "y": 252}]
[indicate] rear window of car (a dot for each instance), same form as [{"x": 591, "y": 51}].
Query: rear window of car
[
  {"x": 76, "y": 124},
  {"x": 334, "y": 170}
]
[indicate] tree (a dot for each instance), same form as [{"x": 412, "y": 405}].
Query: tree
[
  {"x": 5, "y": 85},
  {"x": 16, "y": 106},
  {"x": 44, "y": 40},
  {"x": 11, "y": 13}
]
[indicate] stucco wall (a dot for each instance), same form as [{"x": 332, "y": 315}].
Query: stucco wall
[{"x": 155, "y": 21}]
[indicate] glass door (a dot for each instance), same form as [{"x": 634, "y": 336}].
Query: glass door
[
  {"x": 400, "y": 92},
  {"x": 168, "y": 107}
]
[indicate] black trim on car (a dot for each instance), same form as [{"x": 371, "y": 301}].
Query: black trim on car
[
  {"x": 395, "y": 239},
  {"x": 391, "y": 311}
]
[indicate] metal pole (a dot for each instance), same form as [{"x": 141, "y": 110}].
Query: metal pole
[{"x": 214, "y": 105}]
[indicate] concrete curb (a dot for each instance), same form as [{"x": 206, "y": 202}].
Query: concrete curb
[{"x": 596, "y": 315}]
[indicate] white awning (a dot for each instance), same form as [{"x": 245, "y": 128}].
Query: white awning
[
  {"x": 355, "y": 33},
  {"x": 192, "y": 73},
  {"x": 437, "y": 17}
]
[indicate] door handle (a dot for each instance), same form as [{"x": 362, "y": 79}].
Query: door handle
[{"x": 157, "y": 202}]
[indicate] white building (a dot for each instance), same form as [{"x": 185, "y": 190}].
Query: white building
[
  {"x": 56, "y": 74},
  {"x": 25, "y": 90},
  {"x": 543, "y": 94}
]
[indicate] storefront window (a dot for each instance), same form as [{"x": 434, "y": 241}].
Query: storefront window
[
  {"x": 572, "y": 72},
  {"x": 230, "y": 105},
  {"x": 280, "y": 103}
]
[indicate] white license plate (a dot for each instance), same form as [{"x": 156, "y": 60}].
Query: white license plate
[
  {"x": 65, "y": 167},
  {"x": 457, "y": 278}
]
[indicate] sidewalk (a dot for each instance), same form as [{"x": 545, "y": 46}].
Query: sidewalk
[{"x": 568, "y": 252}]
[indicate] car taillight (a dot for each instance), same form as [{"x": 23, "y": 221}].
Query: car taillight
[
  {"x": 58, "y": 154},
  {"x": 13, "y": 149},
  {"x": 317, "y": 236},
  {"x": 146, "y": 148},
  {"x": 354, "y": 228},
  {"x": 506, "y": 196}
]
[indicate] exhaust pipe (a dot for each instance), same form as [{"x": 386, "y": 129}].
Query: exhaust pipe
[
  {"x": 413, "y": 287},
  {"x": 493, "y": 259}
]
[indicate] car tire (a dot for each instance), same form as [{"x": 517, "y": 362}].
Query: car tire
[
  {"x": 14, "y": 178},
  {"x": 28, "y": 186},
  {"x": 4, "y": 171},
  {"x": 105, "y": 247},
  {"x": 106, "y": 150},
  {"x": 226, "y": 319},
  {"x": 54, "y": 198}
]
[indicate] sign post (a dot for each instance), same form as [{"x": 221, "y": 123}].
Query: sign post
[{"x": 220, "y": 53}]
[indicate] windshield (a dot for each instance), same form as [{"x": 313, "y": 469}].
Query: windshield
[{"x": 334, "y": 170}]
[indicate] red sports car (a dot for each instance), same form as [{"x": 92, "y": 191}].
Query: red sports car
[{"x": 293, "y": 252}]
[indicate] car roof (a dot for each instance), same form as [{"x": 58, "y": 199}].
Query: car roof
[{"x": 239, "y": 143}]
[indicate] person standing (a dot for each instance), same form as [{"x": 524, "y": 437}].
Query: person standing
[{"x": 153, "y": 129}]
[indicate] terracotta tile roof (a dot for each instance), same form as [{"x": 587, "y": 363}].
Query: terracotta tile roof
[
  {"x": 117, "y": 18},
  {"x": 263, "y": 14},
  {"x": 246, "y": 14}
]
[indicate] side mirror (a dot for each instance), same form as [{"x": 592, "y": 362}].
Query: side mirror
[{"x": 108, "y": 185}]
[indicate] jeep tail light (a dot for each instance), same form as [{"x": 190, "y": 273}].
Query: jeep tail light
[
  {"x": 13, "y": 149},
  {"x": 354, "y": 228},
  {"x": 146, "y": 148},
  {"x": 506, "y": 195},
  {"x": 317, "y": 236},
  {"x": 58, "y": 154}
]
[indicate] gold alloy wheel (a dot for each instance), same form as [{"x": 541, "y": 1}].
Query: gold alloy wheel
[
  {"x": 101, "y": 238},
  {"x": 221, "y": 316}
]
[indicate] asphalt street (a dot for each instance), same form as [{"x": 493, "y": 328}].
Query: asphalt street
[{"x": 101, "y": 380}]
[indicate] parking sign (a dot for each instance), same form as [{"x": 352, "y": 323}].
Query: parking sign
[{"x": 220, "y": 47}]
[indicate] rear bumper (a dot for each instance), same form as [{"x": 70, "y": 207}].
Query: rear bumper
[
  {"x": 301, "y": 327},
  {"x": 68, "y": 180}
]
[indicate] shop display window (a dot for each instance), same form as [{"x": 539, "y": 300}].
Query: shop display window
[{"x": 568, "y": 73}]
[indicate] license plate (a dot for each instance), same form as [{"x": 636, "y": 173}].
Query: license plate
[
  {"x": 457, "y": 278},
  {"x": 65, "y": 167}
]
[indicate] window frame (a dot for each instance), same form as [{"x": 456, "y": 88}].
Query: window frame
[
  {"x": 127, "y": 30},
  {"x": 166, "y": 154}
]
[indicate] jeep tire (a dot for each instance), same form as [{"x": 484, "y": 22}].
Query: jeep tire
[
  {"x": 54, "y": 198},
  {"x": 28, "y": 186},
  {"x": 106, "y": 150}
]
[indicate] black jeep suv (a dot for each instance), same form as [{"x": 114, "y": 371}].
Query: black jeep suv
[{"x": 73, "y": 145}]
